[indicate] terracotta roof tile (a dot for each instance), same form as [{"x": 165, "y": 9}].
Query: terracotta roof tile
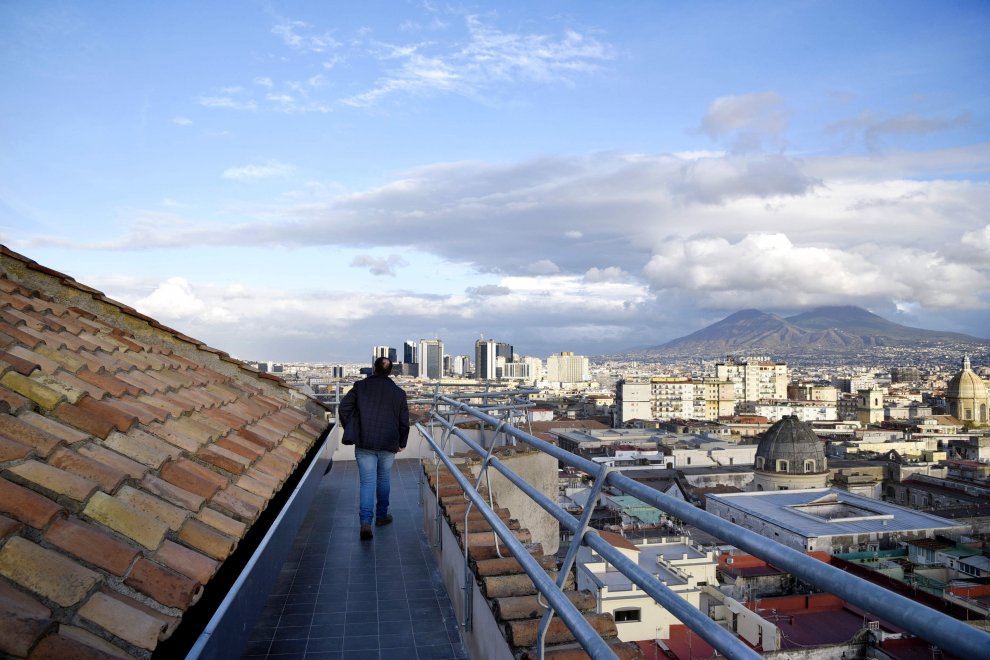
[
  {"x": 242, "y": 447},
  {"x": 112, "y": 459},
  {"x": 274, "y": 466},
  {"x": 84, "y": 420},
  {"x": 187, "y": 561},
  {"x": 239, "y": 503},
  {"x": 222, "y": 523},
  {"x": 13, "y": 402},
  {"x": 194, "y": 429},
  {"x": 105, "y": 357},
  {"x": 259, "y": 484},
  {"x": 223, "y": 459},
  {"x": 108, "y": 477},
  {"x": 46, "y": 572},
  {"x": 121, "y": 419},
  {"x": 226, "y": 416},
  {"x": 61, "y": 431},
  {"x": 523, "y": 633},
  {"x": 25, "y": 505},
  {"x": 126, "y": 519},
  {"x": 156, "y": 507},
  {"x": 92, "y": 545},
  {"x": 41, "y": 394},
  {"x": 105, "y": 382},
  {"x": 145, "y": 412},
  {"x": 169, "y": 433},
  {"x": 206, "y": 539},
  {"x": 49, "y": 479},
  {"x": 11, "y": 450},
  {"x": 165, "y": 448},
  {"x": 81, "y": 386},
  {"x": 20, "y": 334},
  {"x": 23, "y": 620},
  {"x": 8, "y": 526},
  {"x": 140, "y": 384},
  {"x": 192, "y": 477},
  {"x": 261, "y": 440},
  {"x": 77, "y": 647},
  {"x": 172, "y": 493},
  {"x": 166, "y": 586},
  {"x": 18, "y": 364},
  {"x": 29, "y": 354},
  {"x": 287, "y": 453},
  {"x": 162, "y": 401},
  {"x": 62, "y": 357},
  {"x": 127, "y": 619},
  {"x": 142, "y": 447}
]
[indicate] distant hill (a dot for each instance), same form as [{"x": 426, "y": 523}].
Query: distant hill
[{"x": 832, "y": 330}]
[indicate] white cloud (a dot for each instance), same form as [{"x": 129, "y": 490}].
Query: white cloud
[
  {"x": 610, "y": 274},
  {"x": 181, "y": 121},
  {"x": 379, "y": 266},
  {"x": 543, "y": 267},
  {"x": 175, "y": 300},
  {"x": 272, "y": 168},
  {"x": 746, "y": 121},
  {"x": 264, "y": 81},
  {"x": 227, "y": 102},
  {"x": 298, "y": 36},
  {"x": 770, "y": 270},
  {"x": 488, "y": 56},
  {"x": 875, "y": 129}
]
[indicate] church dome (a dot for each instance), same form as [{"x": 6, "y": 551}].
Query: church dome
[
  {"x": 790, "y": 446},
  {"x": 966, "y": 384}
]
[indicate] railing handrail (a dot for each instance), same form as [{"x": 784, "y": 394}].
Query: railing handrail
[
  {"x": 589, "y": 639},
  {"x": 944, "y": 631}
]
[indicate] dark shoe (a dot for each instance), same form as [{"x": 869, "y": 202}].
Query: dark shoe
[
  {"x": 384, "y": 521},
  {"x": 366, "y": 532}
]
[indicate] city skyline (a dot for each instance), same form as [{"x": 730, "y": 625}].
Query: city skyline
[{"x": 295, "y": 181}]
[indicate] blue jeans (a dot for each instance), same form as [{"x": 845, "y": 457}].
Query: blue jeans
[{"x": 375, "y": 470}]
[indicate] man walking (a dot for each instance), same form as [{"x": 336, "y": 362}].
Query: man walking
[{"x": 377, "y": 406}]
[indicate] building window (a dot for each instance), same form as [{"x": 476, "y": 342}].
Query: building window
[
  {"x": 759, "y": 462},
  {"x": 809, "y": 466},
  {"x": 624, "y": 616},
  {"x": 782, "y": 466}
]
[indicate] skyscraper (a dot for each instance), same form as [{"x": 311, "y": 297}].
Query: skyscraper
[
  {"x": 565, "y": 367},
  {"x": 504, "y": 350},
  {"x": 485, "y": 354},
  {"x": 431, "y": 359}
]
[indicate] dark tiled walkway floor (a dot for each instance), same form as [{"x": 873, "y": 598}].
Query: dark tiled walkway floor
[{"x": 339, "y": 597}]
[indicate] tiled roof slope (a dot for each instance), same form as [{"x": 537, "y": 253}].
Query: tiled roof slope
[
  {"x": 511, "y": 594},
  {"x": 133, "y": 459}
]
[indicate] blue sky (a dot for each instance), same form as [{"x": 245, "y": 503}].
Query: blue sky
[{"x": 305, "y": 180}]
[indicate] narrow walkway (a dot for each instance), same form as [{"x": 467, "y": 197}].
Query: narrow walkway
[{"x": 340, "y": 597}]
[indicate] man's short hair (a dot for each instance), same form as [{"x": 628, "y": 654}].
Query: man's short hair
[{"x": 383, "y": 366}]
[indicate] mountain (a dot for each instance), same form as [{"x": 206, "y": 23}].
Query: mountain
[{"x": 830, "y": 330}]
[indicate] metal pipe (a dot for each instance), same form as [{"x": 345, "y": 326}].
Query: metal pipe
[
  {"x": 583, "y": 632},
  {"x": 706, "y": 628},
  {"x": 947, "y": 633}
]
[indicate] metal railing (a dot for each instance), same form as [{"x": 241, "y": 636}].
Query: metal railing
[{"x": 947, "y": 633}]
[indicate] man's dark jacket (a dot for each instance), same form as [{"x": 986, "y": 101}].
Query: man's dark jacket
[{"x": 381, "y": 412}]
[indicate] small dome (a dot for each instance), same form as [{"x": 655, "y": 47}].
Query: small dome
[
  {"x": 790, "y": 446},
  {"x": 966, "y": 384}
]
